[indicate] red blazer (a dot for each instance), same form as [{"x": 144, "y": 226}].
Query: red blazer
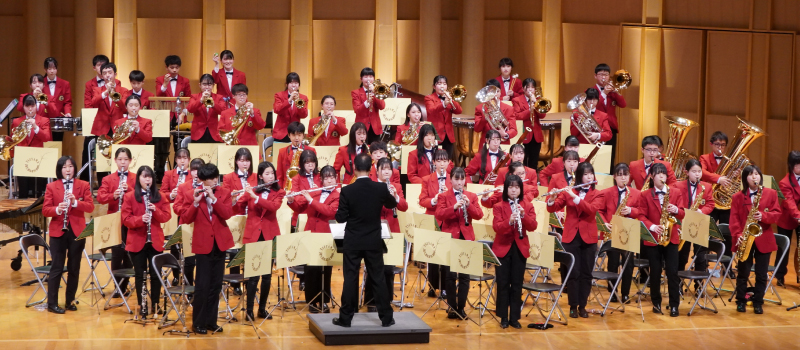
[
  {"x": 35, "y": 139},
  {"x": 371, "y": 119},
  {"x": 373, "y": 175},
  {"x": 107, "y": 112},
  {"x": 248, "y": 135},
  {"x": 650, "y": 212},
  {"x": 581, "y": 216},
  {"x": 221, "y": 80},
  {"x": 232, "y": 183},
  {"x": 41, "y": 109},
  {"x": 709, "y": 165},
  {"x": 205, "y": 118},
  {"x": 145, "y": 97},
  {"x": 707, "y": 195},
  {"x": 331, "y": 135},
  {"x": 402, "y": 128},
  {"x": 209, "y": 229},
  {"x": 145, "y": 134},
  {"x": 522, "y": 111},
  {"x": 517, "y": 88},
  {"x": 402, "y": 205},
  {"x": 529, "y": 194},
  {"x": 505, "y": 233},
  {"x": 609, "y": 107},
  {"x": 440, "y": 116},
  {"x": 475, "y": 165},
  {"x": 789, "y": 211},
  {"x": 482, "y": 126},
  {"x": 300, "y": 183},
  {"x": 638, "y": 174},
  {"x": 132, "y": 212},
  {"x": 261, "y": 219},
  {"x": 88, "y": 92},
  {"x": 530, "y": 174},
  {"x": 429, "y": 190},
  {"x": 54, "y": 195},
  {"x": 611, "y": 202},
  {"x": 770, "y": 212},
  {"x": 62, "y": 99},
  {"x": 285, "y": 161},
  {"x": 319, "y": 214},
  {"x": 286, "y": 113},
  {"x": 346, "y": 161},
  {"x": 558, "y": 181},
  {"x": 110, "y": 184},
  {"x": 418, "y": 171},
  {"x": 185, "y": 190},
  {"x": 170, "y": 181},
  {"x": 452, "y": 221},
  {"x": 556, "y": 166},
  {"x": 602, "y": 120},
  {"x": 182, "y": 88}
]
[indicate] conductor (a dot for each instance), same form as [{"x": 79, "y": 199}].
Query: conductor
[{"x": 360, "y": 206}]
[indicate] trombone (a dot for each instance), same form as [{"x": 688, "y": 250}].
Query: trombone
[
  {"x": 456, "y": 93},
  {"x": 620, "y": 80}
]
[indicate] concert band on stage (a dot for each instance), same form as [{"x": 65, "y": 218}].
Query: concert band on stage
[{"x": 647, "y": 190}]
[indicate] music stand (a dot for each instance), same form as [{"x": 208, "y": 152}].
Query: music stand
[
  {"x": 489, "y": 258},
  {"x": 322, "y": 291},
  {"x": 645, "y": 235},
  {"x": 238, "y": 260},
  {"x": 177, "y": 238},
  {"x": 282, "y": 302},
  {"x": 94, "y": 285}
]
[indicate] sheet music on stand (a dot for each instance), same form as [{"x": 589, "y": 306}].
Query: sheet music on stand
[
  {"x": 714, "y": 232},
  {"x": 646, "y": 234},
  {"x": 10, "y": 108},
  {"x": 488, "y": 255},
  {"x": 238, "y": 259},
  {"x": 88, "y": 231},
  {"x": 176, "y": 238}
]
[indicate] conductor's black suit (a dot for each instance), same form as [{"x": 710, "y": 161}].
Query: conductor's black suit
[{"x": 360, "y": 205}]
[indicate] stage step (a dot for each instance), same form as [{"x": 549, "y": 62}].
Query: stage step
[{"x": 366, "y": 329}]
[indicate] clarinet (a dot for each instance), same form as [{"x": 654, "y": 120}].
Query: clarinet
[
  {"x": 515, "y": 209},
  {"x": 121, "y": 182},
  {"x": 181, "y": 177},
  {"x": 66, "y": 211},
  {"x": 146, "y": 199},
  {"x": 464, "y": 208},
  {"x": 392, "y": 192}
]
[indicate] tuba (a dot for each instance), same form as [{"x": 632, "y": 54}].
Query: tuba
[
  {"x": 122, "y": 133},
  {"x": 237, "y": 124},
  {"x": 584, "y": 121},
  {"x": 734, "y": 162},
  {"x": 490, "y": 108},
  {"x": 752, "y": 229},
  {"x": 620, "y": 80},
  {"x": 674, "y": 153},
  {"x": 539, "y": 104},
  {"x": 7, "y": 143},
  {"x": 294, "y": 168},
  {"x": 666, "y": 221}
]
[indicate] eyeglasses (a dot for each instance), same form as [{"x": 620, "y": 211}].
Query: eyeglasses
[
  {"x": 651, "y": 150},
  {"x": 717, "y": 144},
  {"x": 240, "y": 95}
]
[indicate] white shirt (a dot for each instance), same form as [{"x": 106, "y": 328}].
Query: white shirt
[
  {"x": 366, "y": 102},
  {"x": 102, "y": 82},
  {"x": 620, "y": 196},
  {"x": 660, "y": 200},
  {"x": 359, "y": 148},
  {"x": 506, "y": 84},
  {"x": 323, "y": 196},
  {"x": 242, "y": 179},
  {"x": 693, "y": 190},
  {"x": 173, "y": 83},
  {"x": 139, "y": 93},
  {"x": 602, "y": 93},
  {"x": 429, "y": 154},
  {"x": 493, "y": 159},
  {"x": 230, "y": 78},
  {"x": 67, "y": 189},
  {"x": 52, "y": 87}
]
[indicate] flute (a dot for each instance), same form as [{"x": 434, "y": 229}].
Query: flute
[
  {"x": 496, "y": 189},
  {"x": 557, "y": 191},
  {"x": 203, "y": 188},
  {"x": 294, "y": 194},
  {"x": 258, "y": 188}
]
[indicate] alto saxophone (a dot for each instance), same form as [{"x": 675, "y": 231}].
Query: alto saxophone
[
  {"x": 695, "y": 205},
  {"x": 752, "y": 229},
  {"x": 622, "y": 204},
  {"x": 666, "y": 221}
]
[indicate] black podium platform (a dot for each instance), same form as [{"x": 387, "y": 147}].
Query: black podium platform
[{"x": 366, "y": 329}]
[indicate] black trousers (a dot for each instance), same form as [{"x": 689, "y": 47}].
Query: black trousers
[
  {"x": 580, "y": 280},
  {"x": 141, "y": 265},
  {"x": 723, "y": 217},
  {"x": 84, "y": 158},
  {"x": 433, "y": 276},
  {"x": 64, "y": 249},
  {"x": 206, "y": 138},
  {"x": 210, "y": 268},
  {"x": 615, "y": 261},
  {"x": 373, "y": 259},
  {"x": 761, "y": 261},
  {"x": 783, "y": 267},
  {"x": 510, "y": 274},
  {"x": 700, "y": 264},
  {"x": 532, "y": 150},
  {"x": 669, "y": 256},
  {"x": 121, "y": 260},
  {"x": 613, "y": 144},
  {"x": 235, "y": 269},
  {"x": 285, "y": 139},
  {"x": 457, "y": 293},
  {"x": 448, "y": 146},
  {"x": 388, "y": 276},
  {"x": 318, "y": 278}
]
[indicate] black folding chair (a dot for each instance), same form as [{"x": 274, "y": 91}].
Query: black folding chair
[
  {"x": 39, "y": 272},
  {"x": 608, "y": 276},
  {"x": 783, "y": 251},
  {"x": 116, "y": 275},
  {"x": 552, "y": 289},
  {"x": 703, "y": 278},
  {"x": 172, "y": 293}
]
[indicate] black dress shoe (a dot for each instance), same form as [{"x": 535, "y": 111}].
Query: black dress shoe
[
  {"x": 573, "y": 312},
  {"x": 431, "y": 293},
  {"x": 264, "y": 314},
  {"x": 741, "y": 307},
  {"x": 673, "y": 311},
  {"x": 781, "y": 282},
  {"x": 200, "y": 330},
  {"x": 503, "y": 323},
  {"x": 453, "y": 315},
  {"x": 391, "y": 323},
  {"x": 249, "y": 315},
  {"x": 515, "y": 324},
  {"x": 339, "y": 323},
  {"x": 237, "y": 291},
  {"x": 71, "y": 307},
  {"x": 614, "y": 298},
  {"x": 657, "y": 309},
  {"x": 582, "y": 312},
  {"x": 214, "y": 328},
  {"x": 55, "y": 309},
  {"x": 174, "y": 281},
  {"x": 626, "y": 299},
  {"x": 325, "y": 309},
  {"x": 758, "y": 309}
]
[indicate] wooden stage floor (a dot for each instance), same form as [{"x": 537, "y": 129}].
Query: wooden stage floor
[{"x": 35, "y": 328}]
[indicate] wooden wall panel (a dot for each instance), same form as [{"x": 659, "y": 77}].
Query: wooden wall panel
[
  {"x": 496, "y": 44},
  {"x": 12, "y": 8},
  {"x": 682, "y": 65},
  {"x": 60, "y": 8},
  {"x": 105, "y": 38},
  {"x": 708, "y": 13},
  {"x": 602, "y": 12},
  {"x": 16, "y": 79},
  {"x": 408, "y": 10},
  {"x": 451, "y": 52},
  {"x": 105, "y": 8},
  {"x": 582, "y": 54},
  {"x": 186, "y": 9},
  {"x": 160, "y": 37},
  {"x": 496, "y": 9},
  {"x": 526, "y": 10},
  {"x": 451, "y": 10},
  {"x": 344, "y": 9},
  {"x": 628, "y": 144},
  {"x": 266, "y": 62},
  {"x": 727, "y": 73},
  {"x": 777, "y": 148},
  {"x": 526, "y": 48},
  {"x": 796, "y": 83},
  {"x": 341, "y": 50},
  {"x": 779, "y": 81},
  {"x": 258, "y": 9},
  {"x": 785, "y": 15},
  {"x": 408, "y": 54}
]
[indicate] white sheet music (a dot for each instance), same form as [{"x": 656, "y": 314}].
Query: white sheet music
[{"x": 337, "y": 230}]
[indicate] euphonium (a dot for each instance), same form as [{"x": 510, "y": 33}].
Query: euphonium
[
  {"x": 674, "y": 153},
  {"x": 666, "y": 221},
  {"x": 698, "y": 199},
  {"x": 539, "y": 103},
  {"x": 411, "y": 135},
  {"x": 752, "y": 229},
  {"x": 7, "y": 143},
  {"x": 584, "y": 121},
  {"x": 294, "y": 168},
  {"x": 490, "y": 107},
  {"x": 122, "y": 133},
  {"x": 237, "y": 124},
  {"x": 620, "y": 80},
  {"x": 382, "y": 91},
  {"x": 732, "y": 165}
]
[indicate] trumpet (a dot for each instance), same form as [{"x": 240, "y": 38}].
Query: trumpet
[
  {"x": 208, "y": 101},
  {"x": 114, "y": 95},
  {"x": 259, "y": 188},
  {"x": 295, "y": 194},
  {"x": 557, "y": 191},
  {"x": 41, "y": 98},
  {"x": 298, "y": 102}
]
